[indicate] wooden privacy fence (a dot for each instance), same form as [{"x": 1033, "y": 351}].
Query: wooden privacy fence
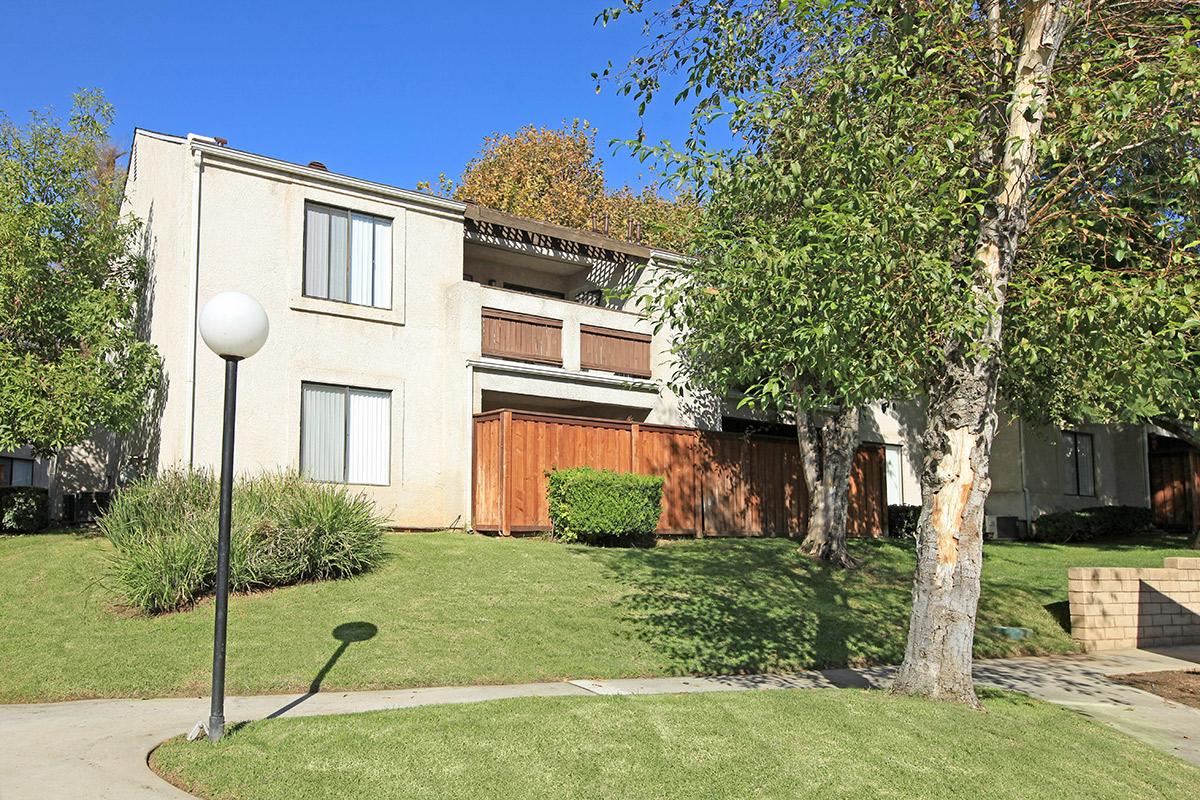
[{"x": 715, "y": 484}]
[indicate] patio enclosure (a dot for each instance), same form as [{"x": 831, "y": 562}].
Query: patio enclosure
[{"x": 715, "y": 484}]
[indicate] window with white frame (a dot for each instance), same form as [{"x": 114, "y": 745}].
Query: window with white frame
[
  {"x": 16, "y": 471},
  {"x": 345, "y": 434},
  {"x": 1079, "y": 464},
  {"x": 347, "y": 256},
  {"x": 893, "y": 468}
]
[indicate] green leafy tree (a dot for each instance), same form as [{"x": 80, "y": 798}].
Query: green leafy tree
[
  {"x": 1043, "y": 198},
  {"x": 71, "y": 276}
]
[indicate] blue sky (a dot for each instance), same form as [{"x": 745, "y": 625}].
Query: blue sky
[{"x": 390, "y": 91}]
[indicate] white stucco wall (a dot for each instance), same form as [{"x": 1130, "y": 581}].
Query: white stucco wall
[
  {"x": 425, "y": 349},
  {"x": 1120, "y": 469}
]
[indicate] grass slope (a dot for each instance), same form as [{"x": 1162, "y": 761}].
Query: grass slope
[
  {"x": 778, "y": 744},
  {"x": 457, "y": 609}
]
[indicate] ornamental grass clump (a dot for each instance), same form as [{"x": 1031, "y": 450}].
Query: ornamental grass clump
[
  {"x": 286, "y": 530},
  {"x": 600, "y": 506}
]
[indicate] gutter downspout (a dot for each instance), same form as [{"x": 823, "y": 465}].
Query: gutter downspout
[
  {"x": 194, "y": 295},
  {"x": 470, "y": 505},
  {"x": 1024, "y": 486},
  {"x": 1146, "y": 466}
]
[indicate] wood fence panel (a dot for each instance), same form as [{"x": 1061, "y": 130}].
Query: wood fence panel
[
  {"x": 868, "y": 492},
  {"x": 715, "y": 484},
  {"x": 1171, "y": 490},
  {"x": 1195, "y": 521},
  {"x": 673, "y": 455},
  {"x": 538, "y": 444},
  {"x": 485, "y": 485}
]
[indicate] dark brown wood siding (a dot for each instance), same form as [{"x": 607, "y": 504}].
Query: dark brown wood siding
[
  {"x": 617, "y": 351},
  {"x": 522, "y": 337},
  {"x": 715, "y": 484},
  {"x": 1173, "y": 486}
]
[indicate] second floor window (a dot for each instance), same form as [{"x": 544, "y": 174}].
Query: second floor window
[
  {"x": 347, "y": 256},
  {"x": 1079, "y": 464}
]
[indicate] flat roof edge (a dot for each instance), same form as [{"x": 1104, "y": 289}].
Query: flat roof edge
[{"x": 310, "y": 173}]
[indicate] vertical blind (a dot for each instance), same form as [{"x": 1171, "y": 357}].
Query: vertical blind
[
  {"x": 347, "y": 256},
  {"x": 345, "y": 434}
]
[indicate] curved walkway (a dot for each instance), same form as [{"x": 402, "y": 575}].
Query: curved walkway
[{"x": 98, "y": 748}]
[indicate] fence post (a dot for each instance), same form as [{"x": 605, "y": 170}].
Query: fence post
[
  {"x": 635, "y": 430},
  {"x": 505, "y": 432}
]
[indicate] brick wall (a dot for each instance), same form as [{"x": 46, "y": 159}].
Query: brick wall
[{"x": 1120, "y": 607}]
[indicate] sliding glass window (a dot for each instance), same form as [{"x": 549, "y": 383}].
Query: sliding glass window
[
  {"x": 347, "y": 256},
  {"x": 345, "y": 434}
]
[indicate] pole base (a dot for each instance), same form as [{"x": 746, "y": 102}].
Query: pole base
[{"x": 215, "y": 728}]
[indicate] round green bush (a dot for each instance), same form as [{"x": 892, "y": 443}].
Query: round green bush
[
  {"x": 285, "y": 530},
  {"x": 598, "y": 505},
  {"x": 23, "y": 509}
]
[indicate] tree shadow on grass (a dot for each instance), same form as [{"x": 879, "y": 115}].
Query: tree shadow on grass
[{"x": 734, "y": 606}]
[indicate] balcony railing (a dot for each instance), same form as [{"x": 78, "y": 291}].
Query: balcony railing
[
  {"x": 517, "y": 326},
  {"x": 622, "y": 352},
  {"x": 522, "y": 337}
]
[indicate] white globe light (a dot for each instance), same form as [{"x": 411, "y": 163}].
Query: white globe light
[{"x": 234, "y": 325}]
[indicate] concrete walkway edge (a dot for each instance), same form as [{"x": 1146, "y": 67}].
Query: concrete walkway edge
[{"x": 98, "y": 748}]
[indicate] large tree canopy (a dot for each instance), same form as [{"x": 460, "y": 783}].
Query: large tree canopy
[
  {"x": 71, "y": 276},
  {"x": 965, "y": 194},
  {"x": 554, "y": 175}
]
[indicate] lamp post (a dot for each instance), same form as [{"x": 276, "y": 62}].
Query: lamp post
[{"x": 234, "y": 326}]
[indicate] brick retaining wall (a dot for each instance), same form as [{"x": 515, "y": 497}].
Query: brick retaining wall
[{"x": 1122, "y": 607}]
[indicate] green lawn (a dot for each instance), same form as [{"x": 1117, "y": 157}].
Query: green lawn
[
  {"x": 455, "y": 609},
  {"x": 778, "y": 744}
]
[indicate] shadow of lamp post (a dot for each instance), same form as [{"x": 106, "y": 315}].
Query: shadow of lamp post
[{"x": 234, "y": 326}]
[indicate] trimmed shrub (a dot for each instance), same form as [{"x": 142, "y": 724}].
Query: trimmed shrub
[
  {"x": 596, "y": 506},
  {"x": 902, "y": 521},
  {"x": 1098, "y": 522},
  {"x": 285, "y": 530},
  {"x": 23, "y": 509}
]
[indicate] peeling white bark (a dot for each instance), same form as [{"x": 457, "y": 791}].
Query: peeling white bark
[{"x": 961, "y": 418}]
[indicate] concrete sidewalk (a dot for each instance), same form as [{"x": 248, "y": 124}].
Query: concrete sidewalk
[{"x": 98, "y": 748}]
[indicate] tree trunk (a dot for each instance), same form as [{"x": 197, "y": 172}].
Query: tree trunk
[
  {"x": 961, "y": 419},
  {"x": 826, "y": 455}
]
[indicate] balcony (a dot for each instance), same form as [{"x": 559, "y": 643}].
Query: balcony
[
  {"x": 533, "y": 329},
  {"x": 548, "y": 296}
]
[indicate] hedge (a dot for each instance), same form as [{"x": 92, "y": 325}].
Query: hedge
[
  {"x": 597, "y": 506},
  {"x": 902, "y": 521},
  {"x": 23, "y": 509},
  {"x": 1098, "y": 522},
  {"x": 285, "y": 530}
]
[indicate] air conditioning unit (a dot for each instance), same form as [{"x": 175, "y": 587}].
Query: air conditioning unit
[
  {"x": 1000, "y": 527},
  {"x": 81, "y": 507}
]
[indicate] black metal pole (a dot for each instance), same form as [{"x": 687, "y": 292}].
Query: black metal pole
[{"x": 216, "y": 717}]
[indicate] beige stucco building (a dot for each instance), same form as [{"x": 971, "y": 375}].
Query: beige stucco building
[{"x": 396, "y": 315}]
